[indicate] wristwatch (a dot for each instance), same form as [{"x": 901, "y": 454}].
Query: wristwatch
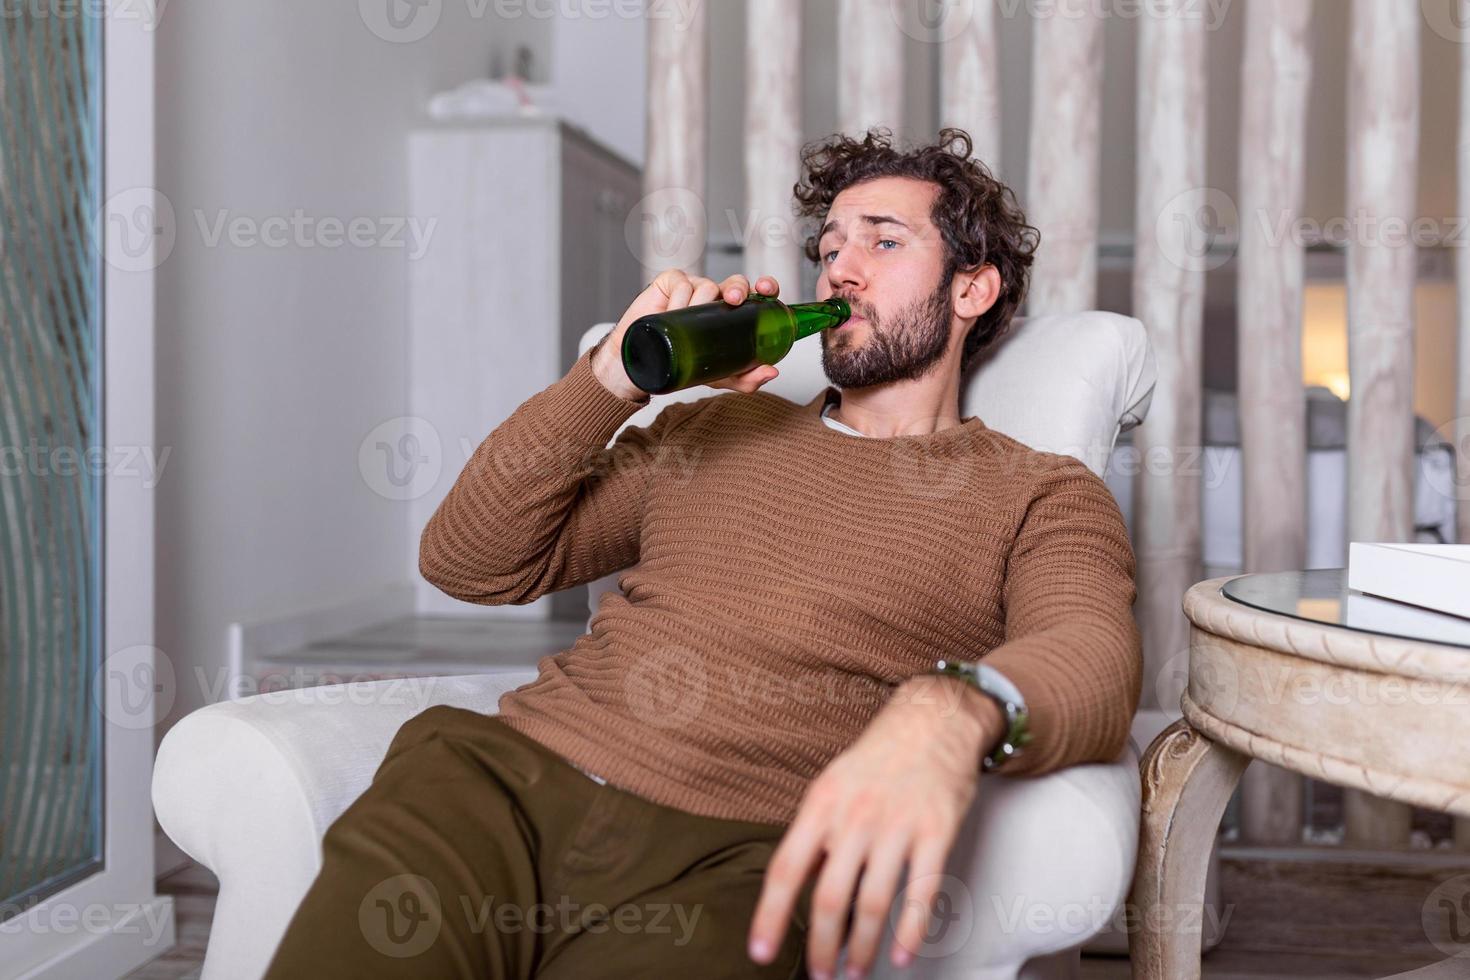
[{"x": 992, "y": 682}]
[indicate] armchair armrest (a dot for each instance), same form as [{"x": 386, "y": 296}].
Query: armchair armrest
[{"x": 247, "y": 788}]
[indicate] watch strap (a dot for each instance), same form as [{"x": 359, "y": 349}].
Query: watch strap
[{"x": 1006, "y": 695}]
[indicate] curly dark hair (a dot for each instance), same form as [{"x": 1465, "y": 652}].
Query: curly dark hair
[{"x": 976, "y": 214}]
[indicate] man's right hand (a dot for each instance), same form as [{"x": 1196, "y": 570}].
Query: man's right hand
[{"x": 673, "y": 290}]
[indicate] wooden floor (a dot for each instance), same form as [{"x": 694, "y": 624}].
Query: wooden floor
[
  {"x": 194, "y": 891},
  {"x": 1224, "y": 963}
]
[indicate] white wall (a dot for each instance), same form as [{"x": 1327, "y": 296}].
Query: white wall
[
  {"x": 600, "y": 72},
  {"x": 274, "y": 363}
]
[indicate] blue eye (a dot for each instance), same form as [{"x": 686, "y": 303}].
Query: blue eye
[
  {"x": 828, "y": 257},
  {"x": 888, "y": 241}
]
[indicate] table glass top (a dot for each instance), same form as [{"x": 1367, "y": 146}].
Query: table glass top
[{"x": 1321, "y": 595}]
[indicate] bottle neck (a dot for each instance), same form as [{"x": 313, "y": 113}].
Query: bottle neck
[{"x": 815, "y": 317}]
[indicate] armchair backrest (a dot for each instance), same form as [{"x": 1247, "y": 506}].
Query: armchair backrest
[{"x": 1061, "y": 383}]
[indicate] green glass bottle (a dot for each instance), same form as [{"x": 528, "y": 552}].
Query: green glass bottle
[{"x": 664, "y": 352}]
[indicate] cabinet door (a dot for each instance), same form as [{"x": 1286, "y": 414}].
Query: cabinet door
[
  {"x": 600, "y": 268},
  {"x": 621, "y": 271}
]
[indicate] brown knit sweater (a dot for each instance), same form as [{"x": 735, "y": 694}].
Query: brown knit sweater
[{"x": 788, "y": 576}]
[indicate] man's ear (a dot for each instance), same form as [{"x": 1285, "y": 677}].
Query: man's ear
[{"x": 977, "y": 290}]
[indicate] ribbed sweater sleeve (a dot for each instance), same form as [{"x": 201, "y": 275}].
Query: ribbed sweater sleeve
[
  {"x": 1071, "y": 644},
  {"x": 544, "y": 503}
]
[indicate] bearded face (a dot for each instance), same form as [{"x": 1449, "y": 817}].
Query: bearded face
[{"x": 898, "y": 346}]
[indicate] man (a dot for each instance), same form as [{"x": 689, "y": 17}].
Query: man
[{"x": 731, "y": 772}]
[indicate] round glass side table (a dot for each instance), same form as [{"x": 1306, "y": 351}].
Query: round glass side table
[{"x": 1295, "y": 669}]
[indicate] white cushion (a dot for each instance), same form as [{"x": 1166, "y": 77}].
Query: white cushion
[{"x": 1067, "y": 383}]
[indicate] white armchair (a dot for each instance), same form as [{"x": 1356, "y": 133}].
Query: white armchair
[{"x": 248, "y": 787}]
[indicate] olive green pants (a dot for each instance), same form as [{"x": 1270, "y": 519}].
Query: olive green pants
[{"x": 477, "y": 852}]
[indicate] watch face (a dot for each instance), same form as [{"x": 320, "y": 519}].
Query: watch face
[{"x": 996, "y": 683}]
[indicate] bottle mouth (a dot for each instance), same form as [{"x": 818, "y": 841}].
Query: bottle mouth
[{"x": 648, "y": 357}]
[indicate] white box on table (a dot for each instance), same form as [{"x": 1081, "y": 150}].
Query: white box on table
[{"x": 1434, "y": 576}]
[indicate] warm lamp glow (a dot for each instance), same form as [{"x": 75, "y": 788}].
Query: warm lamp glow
[
  {"x": 1335, "y": 381},
  {"x": 1324, "y": 337},
  {"x": 1325, "y": 344}
]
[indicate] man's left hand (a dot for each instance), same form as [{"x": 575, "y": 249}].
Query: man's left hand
[{"x": 898, "y": 794}]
